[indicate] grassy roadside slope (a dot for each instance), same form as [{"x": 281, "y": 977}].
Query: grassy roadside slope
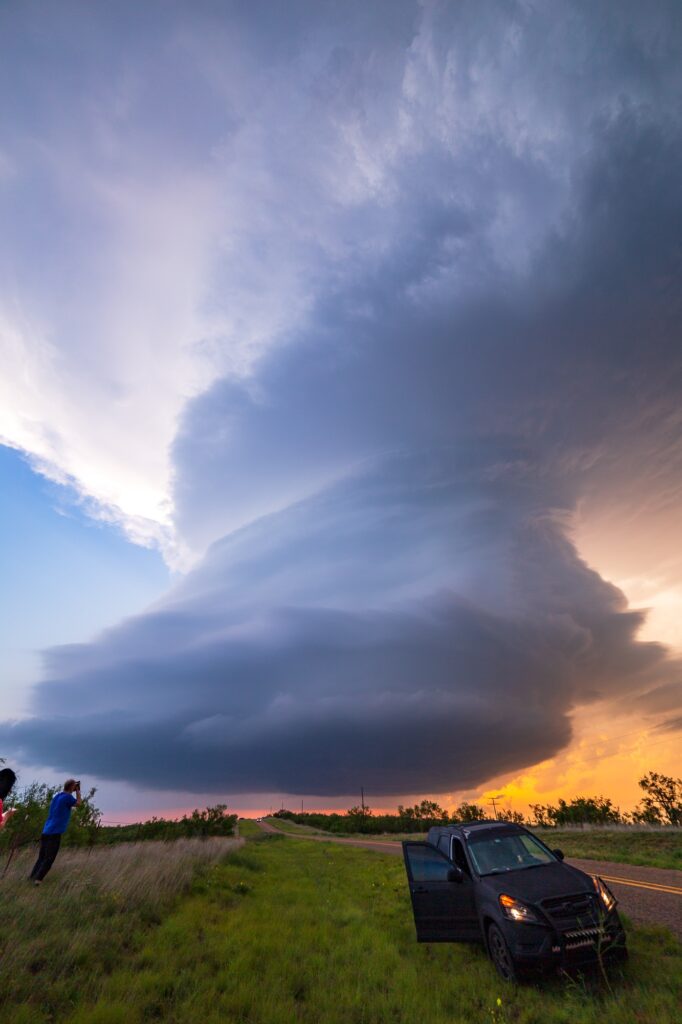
[
  {"x": 59, "y": 941},
  {"x": 288, "y": 931},
  {"x": 293, "y": 828},
  {"x": 659, "y": 849}
]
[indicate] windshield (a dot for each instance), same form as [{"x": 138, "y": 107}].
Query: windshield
[{"x": 492, "y": 854}]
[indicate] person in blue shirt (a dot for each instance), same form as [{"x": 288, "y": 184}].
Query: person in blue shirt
[{"x": 55, "y": 827}]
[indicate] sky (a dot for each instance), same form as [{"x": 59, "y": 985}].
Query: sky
[{"x": 340, "y": 405}]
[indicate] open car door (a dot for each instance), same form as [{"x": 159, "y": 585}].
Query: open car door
[{"x": 444, "y": 910}]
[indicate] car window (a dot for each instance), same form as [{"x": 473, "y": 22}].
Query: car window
[
  {"x": 493, "y": 854},
  {"x": 443, "y": 845},
  {"x": 459, "y": 856},
  {"x": 426, "y": 863}
]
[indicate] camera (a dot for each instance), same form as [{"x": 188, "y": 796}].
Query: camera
[{"x": 78, "y": 784}]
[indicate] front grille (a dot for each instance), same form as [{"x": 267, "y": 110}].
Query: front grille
[
  {"x": 569, "y": 913},
  {"x": 583, "y": 937}
]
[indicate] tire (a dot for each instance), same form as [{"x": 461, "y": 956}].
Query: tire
[{"x": 499, "y": 953}]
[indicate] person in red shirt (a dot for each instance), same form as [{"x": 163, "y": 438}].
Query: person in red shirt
[{"x": 7, "y": 780}]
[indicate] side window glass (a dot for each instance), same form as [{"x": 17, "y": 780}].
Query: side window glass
[
  {"x": 459, "y": 856},
  {"x": 427, "y": 864},
  {"x": 533, "y": 852},
  {"x": 443, "y": 844}
]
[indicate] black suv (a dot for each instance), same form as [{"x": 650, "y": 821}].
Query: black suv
[{"x": 497, "y": 882}]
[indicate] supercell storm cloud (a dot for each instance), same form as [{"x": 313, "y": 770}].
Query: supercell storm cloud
[{"x": 447, "y": 317}]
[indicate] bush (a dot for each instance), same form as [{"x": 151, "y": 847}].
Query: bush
[
  {"x": 662, "y": 804},
  {"x": 590, "y": 810},
  {"x": 32, "y": 805},
  {"x": 213, "y": 821}
]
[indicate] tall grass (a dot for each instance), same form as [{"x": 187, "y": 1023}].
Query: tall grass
[
  {"x": 295, "y": 932},
  {"x": 56, "y": 941}
]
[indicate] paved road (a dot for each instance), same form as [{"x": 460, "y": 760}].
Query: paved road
[{"x": 647, "y": 895}]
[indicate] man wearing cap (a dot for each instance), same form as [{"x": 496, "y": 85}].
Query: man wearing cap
[{"x": 56, "y": 825}]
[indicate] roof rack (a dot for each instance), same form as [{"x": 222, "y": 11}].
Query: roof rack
[{"x": 483, "y": 821}]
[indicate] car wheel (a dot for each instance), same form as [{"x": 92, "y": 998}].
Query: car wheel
[{"x": 500, "y": 955}]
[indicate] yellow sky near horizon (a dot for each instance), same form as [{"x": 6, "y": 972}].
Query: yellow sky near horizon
[
  {"x": 607, "y": 757},
  {"x": 609, "y": 751}
]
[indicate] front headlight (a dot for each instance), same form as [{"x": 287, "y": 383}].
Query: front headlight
[
  {"x": 605, "y": 895},
  {"x": 517, "y": 911}
]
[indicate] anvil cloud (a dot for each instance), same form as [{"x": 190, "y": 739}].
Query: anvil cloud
[{"x": 437, "y": 254}]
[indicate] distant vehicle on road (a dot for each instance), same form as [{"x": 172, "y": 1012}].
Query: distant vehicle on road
[{"x": 495, "y": 882}]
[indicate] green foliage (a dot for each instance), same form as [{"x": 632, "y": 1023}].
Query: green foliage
[
  {"x": 592, "y": 810},
  {"x": 662, "y": 805},
  {"x": 32, "y": 805},
  {"x": 513, "y": 816},
  {"x": 213, "y": 821},
  {"x": 663, "y": 801},
  {"x": 426, "y": 811},
  {"x": 468, "y": 812},
  {"x": 409, "y": 820},
  {"x": 359, "y": 819}
]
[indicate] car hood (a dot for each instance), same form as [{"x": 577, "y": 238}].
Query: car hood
[{"x": 539, "y": 883}]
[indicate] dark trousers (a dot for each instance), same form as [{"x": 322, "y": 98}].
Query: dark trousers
[{"x": 49, "y": 848}]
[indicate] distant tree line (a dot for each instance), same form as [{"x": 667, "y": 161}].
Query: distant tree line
[
  {"x": 661, "y": 805},
  {"x": 212, "y": 821},
  {"x": 418, "y": 818}
]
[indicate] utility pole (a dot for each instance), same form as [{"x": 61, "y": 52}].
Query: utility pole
[
  {"x": 362, "y": 800},
  {"x": 492, "y": 800},
  {"x": 301, "y": 806}
]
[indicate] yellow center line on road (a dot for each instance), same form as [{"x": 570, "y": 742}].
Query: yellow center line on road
[{"x": 652, "y": 886}]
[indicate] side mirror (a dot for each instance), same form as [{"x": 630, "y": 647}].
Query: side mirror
[
  {"x": 559, "y": 854},
  {"x": 455, "y": 874}
]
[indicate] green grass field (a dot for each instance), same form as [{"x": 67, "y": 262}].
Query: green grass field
[
  {"x": 248, "y": 829},
  {"x": 287, "y": 931},
  {"x": 293, "y": 828},
  {"x": 59, "y": 941},
  {"x": 658, "y": 849}
]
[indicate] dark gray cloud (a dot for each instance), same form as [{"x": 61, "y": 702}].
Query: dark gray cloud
[
  {"x": 392, "y": 596},
  {"x": 408, "y": 629}
]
